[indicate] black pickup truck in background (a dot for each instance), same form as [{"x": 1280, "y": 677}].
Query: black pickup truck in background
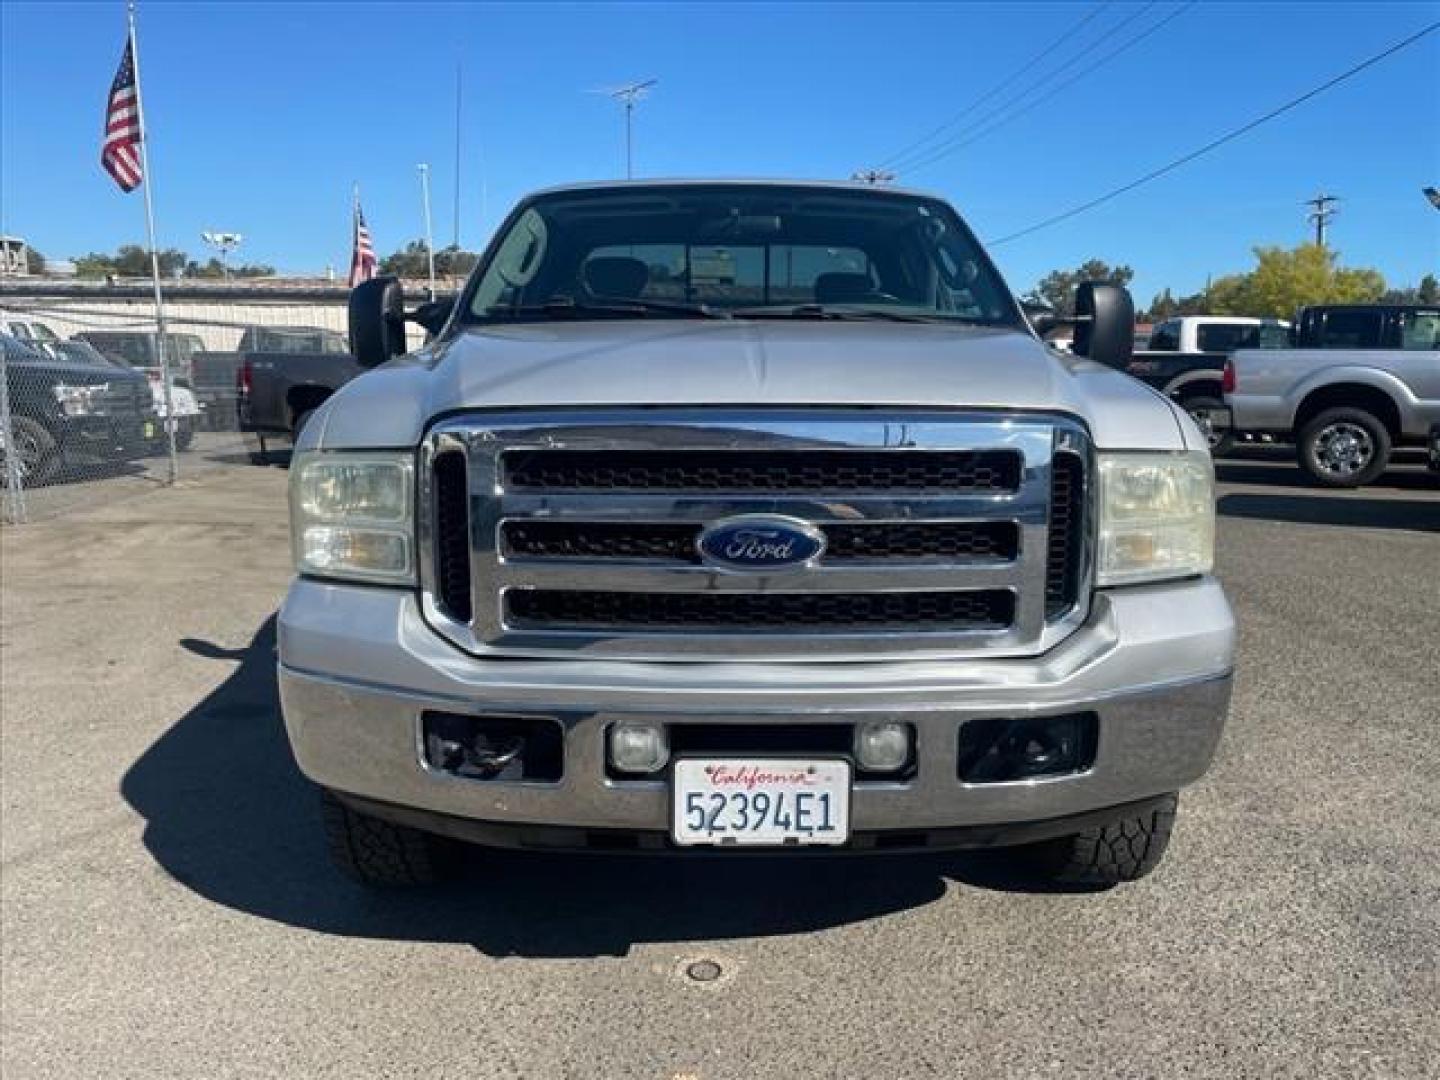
[
  {"x": 277, "y": 376},
  {"x": 1362, "y": 326},
  {"x": 65, "y": 413}
]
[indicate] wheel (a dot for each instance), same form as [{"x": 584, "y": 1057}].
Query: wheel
[
  {"x": 1344, "y": 447},
  {"x": 36, "y": 451},
  {"x": 1213, "y": 419},
  {"x": 379, "y": 853},
  {"x": 1123, "y": 850}
]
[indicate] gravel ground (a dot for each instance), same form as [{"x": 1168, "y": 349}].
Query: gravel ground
[{"x": 167, "y": 911}]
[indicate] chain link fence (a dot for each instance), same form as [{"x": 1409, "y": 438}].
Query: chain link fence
[{"x": 84, "y": 416}]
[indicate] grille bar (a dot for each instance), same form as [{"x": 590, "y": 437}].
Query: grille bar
[
  {"x": 760, "y": 612},
  {"x": 1062, "y": 557},
  {"x": 452, "y": 535},
  {"x": 674, "y": 542},
  {"x": 771, "y": 470}
]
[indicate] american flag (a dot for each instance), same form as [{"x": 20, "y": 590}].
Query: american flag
[
  {"x": 362, "y": 259},
  {"x": 120, "y": 150}
]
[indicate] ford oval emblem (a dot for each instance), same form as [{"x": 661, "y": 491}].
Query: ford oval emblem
[{"x": 760, "y": 542}]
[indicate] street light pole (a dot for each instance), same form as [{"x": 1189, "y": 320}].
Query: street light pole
[{"x": 429, "y": 239}]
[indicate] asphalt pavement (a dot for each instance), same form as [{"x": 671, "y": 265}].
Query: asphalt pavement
[{"x": 166, "y": 909}]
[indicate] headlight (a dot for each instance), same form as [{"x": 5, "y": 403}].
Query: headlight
[
  {"x": 79, "y": 400},
  {"x": 1157, "y": 516},
  {"x": 352, "y": 515}
]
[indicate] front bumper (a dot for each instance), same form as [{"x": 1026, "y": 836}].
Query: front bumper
[
  {"x": 358, "y": 666},
  {"x": 105, "y": 435}
]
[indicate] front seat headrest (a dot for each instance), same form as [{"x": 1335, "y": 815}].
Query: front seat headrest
[
  {"x": 616, "y": 275},
  {"x": 839, "y": 287}
]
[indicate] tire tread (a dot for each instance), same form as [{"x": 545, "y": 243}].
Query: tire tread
[
  {"x": 1119, "y": 851},
  {"x": 376, "y": 852}
]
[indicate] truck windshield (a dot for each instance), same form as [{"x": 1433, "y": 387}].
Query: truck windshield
[{"x": 755, "y": 251}]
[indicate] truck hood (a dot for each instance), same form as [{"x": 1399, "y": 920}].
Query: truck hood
[{"x": 738, "y": 363}]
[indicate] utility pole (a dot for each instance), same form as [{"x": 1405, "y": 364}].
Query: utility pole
[
  {"x": 628, "y": 95},
  {"x": 429, "y": 236},
  {"x": 1321, "y": 214},
  {"x": 455, "y": 235}
]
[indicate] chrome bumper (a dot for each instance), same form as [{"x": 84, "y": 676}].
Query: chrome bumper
[{"x": 358, "y": 666}]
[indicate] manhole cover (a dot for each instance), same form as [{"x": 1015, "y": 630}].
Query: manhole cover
[{"x": 703, "y": 971}]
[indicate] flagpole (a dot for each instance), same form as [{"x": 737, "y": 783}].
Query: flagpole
[{"x": 161, "y": 335}]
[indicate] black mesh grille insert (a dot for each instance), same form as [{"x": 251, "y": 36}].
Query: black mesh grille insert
[
  {"x": 452, "y": 535},
  {"x": 835, "y": 612},
  {"x": 602, "y": 540},
  {"x": 923, "y": 540},
  {"x": 763, "y": 470},
  {"x": 671, "y": 542},
  {"x": 1067, "y": 530}
]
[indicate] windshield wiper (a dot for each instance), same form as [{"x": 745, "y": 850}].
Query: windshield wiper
[
  {"x": 821, "y": 311},
  {"x": 639, "y": 307}
]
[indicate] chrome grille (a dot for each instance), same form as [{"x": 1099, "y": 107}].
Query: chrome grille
[{"x": 941, "y": 536}]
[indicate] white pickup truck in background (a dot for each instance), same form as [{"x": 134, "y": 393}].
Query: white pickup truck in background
[{"x": 1363, "y": 380}]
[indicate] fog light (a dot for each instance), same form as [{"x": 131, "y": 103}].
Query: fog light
[
  {"x": 638, "y": 748},
  {"x": 882, "y": 746}
]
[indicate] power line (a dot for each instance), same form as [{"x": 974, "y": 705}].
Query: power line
[
  {"x": 961, "y": 142},
  {"x": 1230, "y": 136},
  {"x": 1004, "y": 84}
]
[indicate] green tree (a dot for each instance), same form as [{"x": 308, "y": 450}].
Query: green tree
[
  {"x": 453, "y": 261},
  {"x": 1285, "y": 280},
  {"x": 34, "y": 261},
  {"x": 1429, "y": 291},
  {"x": 130, "y": 260},
  {"x": 1057, "y": 288},
  {"x": 411, "y": 261},
  {"x": 214, "y": 268}
]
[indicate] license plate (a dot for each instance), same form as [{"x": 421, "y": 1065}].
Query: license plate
[{"x": 760, "y": 801}]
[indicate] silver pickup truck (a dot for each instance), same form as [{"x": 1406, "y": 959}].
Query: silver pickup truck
[
  {"x": 725, "y": 516},
  {"x": 1365, "y": 378}
]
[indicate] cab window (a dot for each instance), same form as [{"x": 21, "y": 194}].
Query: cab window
[
  {"x": 1420, "y": 330},
  {"x": 1227, "y": 337},
  {"x": 1352, "y": 330},
  {"x": 1165, "y": 337}
]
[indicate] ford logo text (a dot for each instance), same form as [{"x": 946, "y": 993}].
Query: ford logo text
[{"x": 760, "y": 542}]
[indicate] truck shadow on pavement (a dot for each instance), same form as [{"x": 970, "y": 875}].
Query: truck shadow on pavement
[
  {"x": 229, "y": 815},
  {"x": 1329, "y": 509}
]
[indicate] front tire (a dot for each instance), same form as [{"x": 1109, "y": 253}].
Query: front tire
[
  {"x": 1344, "y": 448},
  {"x": 1106, "y": 855},
  {"x": 36, "y": 449},
  {"x": 380, "y": 854},
  {"x": 1206, "y": 411}
]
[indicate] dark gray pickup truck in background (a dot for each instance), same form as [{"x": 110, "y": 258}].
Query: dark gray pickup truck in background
[{"x": 277, "y": 376}]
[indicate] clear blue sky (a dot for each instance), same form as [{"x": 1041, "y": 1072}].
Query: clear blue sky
[{"x": 262, "y": 115}]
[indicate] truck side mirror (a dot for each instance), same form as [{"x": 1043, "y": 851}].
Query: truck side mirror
[
  {"x": 1043, "y": 318},
  {"x": 377, "y": 321},
  {"x": 1104, "y": 324},
  {"x": 433, "y": 315}
]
